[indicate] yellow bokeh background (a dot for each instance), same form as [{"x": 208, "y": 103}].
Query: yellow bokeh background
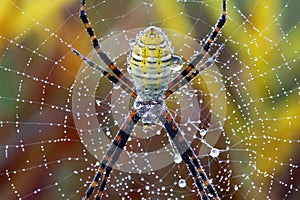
[{"x": 262, "y": 56}]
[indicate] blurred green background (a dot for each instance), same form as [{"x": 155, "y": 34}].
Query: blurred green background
[{"x": 41, "y": 156}]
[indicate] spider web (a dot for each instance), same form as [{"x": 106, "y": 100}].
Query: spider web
[{"x": 57, "y": 116}]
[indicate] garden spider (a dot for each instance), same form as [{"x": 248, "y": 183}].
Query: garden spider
[{"x": 150, "y": 63}]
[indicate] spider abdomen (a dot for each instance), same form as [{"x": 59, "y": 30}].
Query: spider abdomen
[{"x": 150, "y": 63}]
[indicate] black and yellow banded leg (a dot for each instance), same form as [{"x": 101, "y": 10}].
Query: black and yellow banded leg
[
  {"x": 195, "y": 176},
  {"x": 103, "y": 183},
  {"x": 194, "y": 74},
  {"x": 218, "y": 27},
  {"x": 198, "y": 57},
  {"x": 112, "y": 154},
  {"x": 96, "y": 45},
  {"x": 109, "y": 168},
  {"x": 202, "y": 173},
  {"x": 188, "y": 156},
  {"x": 204, "y": 177},
  {"x": 124, "y": 136},
  {"x": 107, "y": 74}
]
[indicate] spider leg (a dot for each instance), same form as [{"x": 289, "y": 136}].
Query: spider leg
[
  {"x": 195, "y": 73},
  {"x": 109, "y": 168},
  {"x": 188, "y": 155},
  {"x": 112, "y": 154},
  {"x": 198, "y": 57},
  {"x": 97, "y": 47},
  {"x": 111, "y": 77}
]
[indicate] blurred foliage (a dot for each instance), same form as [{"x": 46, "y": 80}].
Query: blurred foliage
[{"x": 263, "y": 41}]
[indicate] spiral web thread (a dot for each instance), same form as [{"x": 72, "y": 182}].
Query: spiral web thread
[{"x": 241, "y": 115}]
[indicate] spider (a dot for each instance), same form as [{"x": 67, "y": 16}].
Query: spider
[{"x": 150, "y": 64}]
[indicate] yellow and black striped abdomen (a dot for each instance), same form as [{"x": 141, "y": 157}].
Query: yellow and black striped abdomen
[{"x": 150, "y": 63}]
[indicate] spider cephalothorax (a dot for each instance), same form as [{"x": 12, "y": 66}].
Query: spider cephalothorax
[
  {"x": 150, "y": 62},
  {"x": 149, "y": 110}
]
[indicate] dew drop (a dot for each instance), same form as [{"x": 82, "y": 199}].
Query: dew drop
[
  {"x": 203, "y": 132},
  {"x": 214, "y": 152},
  {"x": 182, "y": 183},
  {"x": 97, "y": 164},
  {"x": 177, "y": 158},
  {"x": 132, "y": 42},
  {"x": 116, "y": 86},
  {"x": 177, "y": 63},
  {"x": 236, "y": 187}
]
